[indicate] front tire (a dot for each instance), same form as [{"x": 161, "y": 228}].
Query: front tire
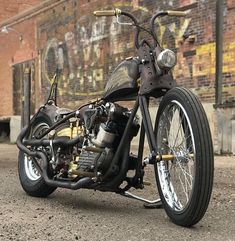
[
  {"x": 185, "y": 182},
  {"x": 31, "y": 180}
]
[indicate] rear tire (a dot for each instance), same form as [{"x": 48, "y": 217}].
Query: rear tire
[
  {"x": 31, "y": 180},
  {"x": 184, "y": 183}
]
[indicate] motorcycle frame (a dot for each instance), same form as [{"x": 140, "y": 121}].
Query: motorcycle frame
[
  {"x": 146, "y": 128},
  {"x": 150, "y": 85}
]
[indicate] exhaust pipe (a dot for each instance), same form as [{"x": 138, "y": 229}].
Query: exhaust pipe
[
  {"x": 82, "y": 183},
  {"x": 58, "y": 142}
]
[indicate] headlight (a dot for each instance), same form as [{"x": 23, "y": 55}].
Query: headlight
[{"x": 166, "y": 59}]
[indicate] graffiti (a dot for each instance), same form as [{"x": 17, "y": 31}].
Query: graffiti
[
  {"x": 50, "y": 53},
  {"x": 115, "y": 44},
  {"x": 204, "y": 61},
  {"x": 133, "y": 4},
  {"x": 176, "y": 32},
  {"x": 72, "y": 52},
  {"x": 83, "y": 55},
  {"x": 78, "y": 55},
  {"x": 98, "y": 30},
  {"x": 89, "y": 52}
]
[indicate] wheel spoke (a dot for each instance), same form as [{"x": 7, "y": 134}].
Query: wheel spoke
[
  {"x": 180, "y": 123},
  {"x": 182, "y": 185},
  {"x": 175, "y": 137},
  {"x": 185, "y": 174},
  {"x": 183, "y": 134}
]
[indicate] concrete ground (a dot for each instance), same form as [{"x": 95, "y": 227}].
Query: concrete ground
[{"x": 88, "y": 215}]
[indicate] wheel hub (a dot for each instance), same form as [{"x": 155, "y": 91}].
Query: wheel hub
[{"x": 181, "y": 156}]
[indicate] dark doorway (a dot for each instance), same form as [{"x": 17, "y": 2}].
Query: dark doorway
[
  {"x": 18, "y": 85},
  {"x": 4, "y": 130}
]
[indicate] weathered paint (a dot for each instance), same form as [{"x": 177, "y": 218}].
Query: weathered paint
[{"x": 94, "y": 41}]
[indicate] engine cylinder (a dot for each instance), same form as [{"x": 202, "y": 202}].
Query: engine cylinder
[{"x": 104, "y": 137}]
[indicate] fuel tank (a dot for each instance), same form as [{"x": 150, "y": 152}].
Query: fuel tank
[{"x": 122, "y": 84}]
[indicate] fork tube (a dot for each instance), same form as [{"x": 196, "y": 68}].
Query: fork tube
[
  {"x": 141, "y": 142},
  {"x": 139, "y": 165},
  {"x": 147, "y": 124}
]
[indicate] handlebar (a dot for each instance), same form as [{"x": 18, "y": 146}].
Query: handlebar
[
  {"x": 161, "y": 14},
  {"x": 107, "y": 13},
  {"x": 118, "y": 12},
  {"x": 176, "y": 13},
  {"x": 115, "y": 12}
]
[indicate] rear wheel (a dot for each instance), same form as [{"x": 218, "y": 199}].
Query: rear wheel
[
  {"x": 30, "y": 178},
  {"x": 185, "y": 182}
]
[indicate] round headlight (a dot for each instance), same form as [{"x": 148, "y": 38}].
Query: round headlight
[{"x": 166, "y": 59}]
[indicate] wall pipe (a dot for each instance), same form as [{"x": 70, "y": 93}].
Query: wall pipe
[
  {"x": 27, "y": 96},
  {"x": 219, "y": 52}
]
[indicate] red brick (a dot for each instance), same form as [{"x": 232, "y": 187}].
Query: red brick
[{"x": 106, "y": 54}]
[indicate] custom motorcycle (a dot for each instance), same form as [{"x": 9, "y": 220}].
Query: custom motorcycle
[{"x": 90, "y": 146}]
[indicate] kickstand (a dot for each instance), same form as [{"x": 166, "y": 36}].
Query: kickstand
[{"x": 147, "y": 203}]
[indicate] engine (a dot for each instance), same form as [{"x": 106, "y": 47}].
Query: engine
[{"x": 100, "y": 128}]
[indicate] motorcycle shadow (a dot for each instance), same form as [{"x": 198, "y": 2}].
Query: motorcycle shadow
[{"x": 92, "y": 201}]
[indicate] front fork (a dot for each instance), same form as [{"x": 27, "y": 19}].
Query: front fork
[{"x": 147, "y": 128}]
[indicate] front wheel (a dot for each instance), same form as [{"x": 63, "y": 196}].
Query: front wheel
[{"x": 185, "y": 182}]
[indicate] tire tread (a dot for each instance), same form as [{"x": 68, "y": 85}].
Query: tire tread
[{"x": 204, "y": 157}]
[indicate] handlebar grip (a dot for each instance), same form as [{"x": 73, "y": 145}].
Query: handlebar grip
[
  {"x": 176, "y": 13},
  {"x": 107, "y": 12}
]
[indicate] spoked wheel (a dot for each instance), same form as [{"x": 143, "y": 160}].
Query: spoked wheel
[
  {"x": 30, "y": 177},
  {"x": 30, "y": 169},
  {"x": 184, "y": 182}
]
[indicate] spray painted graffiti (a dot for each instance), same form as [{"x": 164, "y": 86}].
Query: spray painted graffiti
[
  {"x": 85, "y": 53},
  {"x": 79, "y": 55},
  {"x": 89, "y": 52}
]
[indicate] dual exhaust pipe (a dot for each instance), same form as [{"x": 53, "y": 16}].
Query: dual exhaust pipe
[{"x": 81, "y": 183}]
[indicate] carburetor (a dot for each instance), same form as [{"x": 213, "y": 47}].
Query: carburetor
[{"x": 72, "y": 129}]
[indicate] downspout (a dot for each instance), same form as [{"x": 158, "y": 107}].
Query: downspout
[{"x": 219, "y": 52}]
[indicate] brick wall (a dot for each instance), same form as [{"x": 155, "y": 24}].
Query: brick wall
[
  {"x": 90, "y": 47},
  {"x": 9, "y": 8},
  {"x": 14, "y": 51}
]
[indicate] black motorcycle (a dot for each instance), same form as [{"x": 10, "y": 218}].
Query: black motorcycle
[{"x": 90, "y": 146}]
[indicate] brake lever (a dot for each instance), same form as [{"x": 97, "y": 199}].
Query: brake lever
[{"x": 122, "y": 23}]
